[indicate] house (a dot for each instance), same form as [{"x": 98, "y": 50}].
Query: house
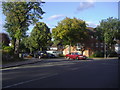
[
  {"x": 89, "y": 47},
  {"x": 54, "y": 48},
  {"x": 58, "y": 47}
]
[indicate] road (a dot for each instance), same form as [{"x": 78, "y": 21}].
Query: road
[{"x": 61, "y": 73}]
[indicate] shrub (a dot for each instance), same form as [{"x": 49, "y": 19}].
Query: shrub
[
  {"x": 8, "y": 49},
  {"x": 7, "y": 53},
  {"x": 98, "y": 54},
  {"x": 112, "y": 54},
  {"x": 61, "y": 55}
]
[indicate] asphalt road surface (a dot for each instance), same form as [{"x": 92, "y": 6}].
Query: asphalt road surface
[{"x": 62, "y": 73}]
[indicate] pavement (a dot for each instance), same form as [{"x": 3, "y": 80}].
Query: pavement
[
  {"x": 30, "y": 61},
  {"x": 20, "y": 63}
]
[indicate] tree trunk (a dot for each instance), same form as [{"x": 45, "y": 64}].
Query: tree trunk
[
  {"x": 82, "y": 52},
  {"x": 82, "y": 49},
  {"x": 30, "y": 50},
  {"x": 17, "y": 44},
  {"x": 40, "y": 49},
  {"x": 13, "y": 43},
  {"x": 105, "y": 50},
  {"x": 69, "y": 48}
]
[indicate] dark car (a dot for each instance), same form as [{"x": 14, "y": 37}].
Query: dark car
[
  {"x": 118, "y": 56},
  {"x": 75, "y": 55},
  {"x": 49, "y": 55},
  {"x": 40, "y": 54},
  {"x": 43, "y": 54}
]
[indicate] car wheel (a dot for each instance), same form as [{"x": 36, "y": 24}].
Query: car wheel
[
  {"x": 68, "y": 58},
  {"x": 77, "y": 58},
  {"x": 39, "y": 57}
]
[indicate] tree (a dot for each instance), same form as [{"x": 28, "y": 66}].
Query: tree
[
  {"x": 40, "y": 37},
  {"x": 19, "y": 15},
  {"x": 108, "y": 31},
  {"x": 70, "y": 31}
]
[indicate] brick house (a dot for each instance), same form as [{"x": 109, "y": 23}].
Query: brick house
[{"x": 90, "y": 46}]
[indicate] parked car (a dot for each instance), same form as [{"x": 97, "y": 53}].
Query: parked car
[
  {"x": 75, "y": 55},
  {"x": 56, "y": 53},
  {"x": 49, "y": 55},
  {"x": 117, "y": 49},
  {"x": 25, "y": 54},
  {"x": 43, "y": 54}
]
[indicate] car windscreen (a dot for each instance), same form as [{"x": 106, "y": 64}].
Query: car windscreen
[{"x": 78, "y": 53}]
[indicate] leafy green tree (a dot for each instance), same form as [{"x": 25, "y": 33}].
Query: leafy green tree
[
  {"x": 70, "y": 31},
  {"x": 19, "y": 15},
  {"x": 40, "y": 37},
  {"x": 108, "y": 31}
]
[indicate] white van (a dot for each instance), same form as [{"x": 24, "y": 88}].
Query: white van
[{"x": 56, "y": 53}]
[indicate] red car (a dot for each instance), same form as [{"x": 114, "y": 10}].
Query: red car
[{"x": 75, "y": 55}]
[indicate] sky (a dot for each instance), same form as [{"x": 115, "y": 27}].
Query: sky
[{"x": 91, "y": 12}]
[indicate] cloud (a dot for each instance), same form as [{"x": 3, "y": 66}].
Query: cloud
[
  {"x": 91, "y": 24},
  {"x": 85, "y": 5},
  {"x": 56, "y": 17}
]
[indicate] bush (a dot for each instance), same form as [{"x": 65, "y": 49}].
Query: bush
[
  {"x": 98, "y": 54},
  {"x": 112, "y": 54},
  {"x": 61, "y": 55},
  {"x": 7, "y": 53},
  {"x": 8, "y": 49}
]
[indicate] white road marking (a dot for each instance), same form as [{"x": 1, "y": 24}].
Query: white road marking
[
  {"x": 29, "y": 81},
  {"x": 11, "y": 68}
]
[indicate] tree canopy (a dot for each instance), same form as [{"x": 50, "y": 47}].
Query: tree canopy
[
  {"x": 40, "y": 37},
  {"x": 108, "y": 30},
  {"x": 70, "y": 31},
  {"x": 19, "y": 15}
]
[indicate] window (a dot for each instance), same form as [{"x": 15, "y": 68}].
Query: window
[
  {"x": 72, "y": 53},
  {"x": 101, "y": 44},
  {"x": 97, "y": 37},
  {"x": 78, "y": 45},
  {"x": 92, "y": 45},
  {"x": 96, "y": 44},
  {"x": 83, "y": 44},
  {"x": 91, "y": 36}
]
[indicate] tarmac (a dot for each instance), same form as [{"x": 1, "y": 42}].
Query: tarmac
[{"x": 30, "y": 61}]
